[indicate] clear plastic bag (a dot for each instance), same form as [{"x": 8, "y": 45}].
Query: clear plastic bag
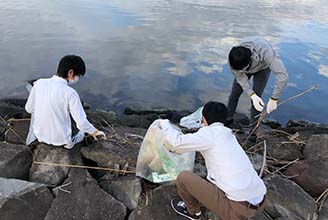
[
  {"x": 193, "y": 120},
  {"x": 156, "y": 163}
]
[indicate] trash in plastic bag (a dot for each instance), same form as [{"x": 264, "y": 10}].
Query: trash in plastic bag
[
  {"x": 156, "y": 163},
  {"x": 193, "y": 120}
]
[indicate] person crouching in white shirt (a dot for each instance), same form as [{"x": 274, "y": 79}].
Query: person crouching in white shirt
[
  {"x": 52, "y": 101},
  {"x": 233, "y": 190}
]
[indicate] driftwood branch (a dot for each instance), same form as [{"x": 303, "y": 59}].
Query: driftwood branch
[
  {"x": 84, "y": 167},
  {"x": 264, "y": 158}
]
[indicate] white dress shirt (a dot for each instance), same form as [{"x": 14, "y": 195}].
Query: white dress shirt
[
  {"x": 52, "y": 102},
  {"x": 228, "y": 166}
]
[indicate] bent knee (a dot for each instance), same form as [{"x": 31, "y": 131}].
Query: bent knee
[{"x": 184, "y": 175}]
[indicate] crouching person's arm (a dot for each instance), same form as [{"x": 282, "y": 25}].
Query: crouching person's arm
[
  {"x": 178, "y": 142},
  {"x": 80, "y": 118}
]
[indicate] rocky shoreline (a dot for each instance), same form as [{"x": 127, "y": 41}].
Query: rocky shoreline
[{"x": 296, "y": 170}]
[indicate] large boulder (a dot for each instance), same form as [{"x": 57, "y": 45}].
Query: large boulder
[
  {"x": 11, "y": 111},
  {"x": 15, "y": 161},
  {"x": 280, "y": 147},
  {"x": 286, "y": 199},
  {"x": 109, "y": 153},
  {"x": 316, "y": 148},
  {"x": 323, "y": 214},
  {"x": 157, "y": 205},
  {"x": 101, "y": 118},
  {"x": 125, "y": 189},
  {"x": 17, "y": 131},
  {"x": 310, "y": 175},
  {"x": 142, "y": 121},
  {"x": 81, "y": 198},
  {"x": 260, "y": 216},
  {"x": 23, "y": 200},
  {"x": 49, "y": 174}
]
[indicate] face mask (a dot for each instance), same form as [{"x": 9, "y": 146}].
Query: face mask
[{"x": 73, "y": 81}]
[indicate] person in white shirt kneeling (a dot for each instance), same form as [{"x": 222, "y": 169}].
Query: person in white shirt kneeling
[
  {"x": 52, "y": 101},
  {"x": 233, "y": 190}
]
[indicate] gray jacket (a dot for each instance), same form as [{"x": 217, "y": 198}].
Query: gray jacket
[{"x": 263, "y": 56}]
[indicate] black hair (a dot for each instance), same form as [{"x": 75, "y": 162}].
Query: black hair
[
  {"x": 239, "y": 57},
  {"x": 215, "y": 112},
  {"x": 69, "y": 62}
]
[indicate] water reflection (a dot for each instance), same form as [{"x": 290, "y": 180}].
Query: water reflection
[{"x": 164, "y": 53}]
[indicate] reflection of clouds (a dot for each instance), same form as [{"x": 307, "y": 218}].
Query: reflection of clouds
[
  {"x": 293, "y": 85},
  {"x": 194, "y": 36},
  {"x": 323, "y": 70}
]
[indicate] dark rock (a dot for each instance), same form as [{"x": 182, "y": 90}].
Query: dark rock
[
  {"x": 310, "y": 175},
  {"x": 260, "y": 216},
  {"x": 305, "y": 129},
  {"x": 3, "y": 127},
  {"x": 106, "y": 153},
  {"x": 16, "y": 102},
  {"x": 47, "y": 174},
  {"x": 200, "y": 170},
  {"x": 241, "y": 118},
  {"x": 23, "y": 200},
  {"x": 305, "y": 124},
  {"x": 15, "y": 161},
  {"x": 288, "y": 200},
  {"x": 316, "y": 148},
  {"x": 172, "y": 115},
  {"x": 17, "y": 131},
  {"x": 323, "y": 213},
  {"x": 101, "y": 118},
  {"x": 280, "y": 147},
  {"x": 142, "y": 121},
  {"x": 272, "y": 124},
  {"x": 86, "y": 200},
  {"x": 157, "y": 206},
  {"x": 125, "y": 189},
  {"x": 11, "y": 111}
]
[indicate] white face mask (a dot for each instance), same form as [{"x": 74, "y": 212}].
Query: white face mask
[{"x": 73, "y": 81}]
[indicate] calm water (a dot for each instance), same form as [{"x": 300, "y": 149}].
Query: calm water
[{"x": 160, "y": 53}]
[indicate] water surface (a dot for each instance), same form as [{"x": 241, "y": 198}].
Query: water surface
[{"x": 163, "y": 53}]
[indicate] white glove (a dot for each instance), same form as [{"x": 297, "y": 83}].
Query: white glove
[
  {"x": 257, "y": 102},
  {"x": 99, "y": 135},
  {"x": 272, "y": 105},
  {"x": 75, "y": 139}
]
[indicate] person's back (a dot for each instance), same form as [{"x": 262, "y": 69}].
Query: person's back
[
  {"x": 53, "y": 98},
  {"x": 233, "y": 189},
  {"x": 228, "y": 166},
  {"x": 52, "y": 101}
]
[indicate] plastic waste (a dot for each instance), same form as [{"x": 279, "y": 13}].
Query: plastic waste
[
  {"x": 193, "y": 120},
  {"x": 156, "y": 163}
]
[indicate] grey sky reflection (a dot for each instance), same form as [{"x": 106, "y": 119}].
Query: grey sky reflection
[{"x": 158, "y": 53}]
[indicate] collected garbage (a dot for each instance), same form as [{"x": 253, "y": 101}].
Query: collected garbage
[{"x": 156, "y": 163}]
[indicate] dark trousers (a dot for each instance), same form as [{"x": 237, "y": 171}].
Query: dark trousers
[{"x": 260, "y": 80}]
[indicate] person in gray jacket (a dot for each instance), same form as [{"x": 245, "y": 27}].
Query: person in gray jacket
[{"x": 256, "y": 58}]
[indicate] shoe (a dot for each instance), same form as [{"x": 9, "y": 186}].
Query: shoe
[{"x": 180, "y": 208}]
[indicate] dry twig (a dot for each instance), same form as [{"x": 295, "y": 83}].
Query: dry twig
[{"x": 264, "y": 113}]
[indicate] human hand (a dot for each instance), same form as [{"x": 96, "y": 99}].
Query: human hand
[
  {"x": 272, "y": 105},
  {"x": 257, "y": 102},
  {"x": 99, "y": 135}
]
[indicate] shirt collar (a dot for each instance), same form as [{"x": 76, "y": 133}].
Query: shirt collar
[
  {"x": 216, "y": 124},
  {"x": 59, "y": 79}
]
